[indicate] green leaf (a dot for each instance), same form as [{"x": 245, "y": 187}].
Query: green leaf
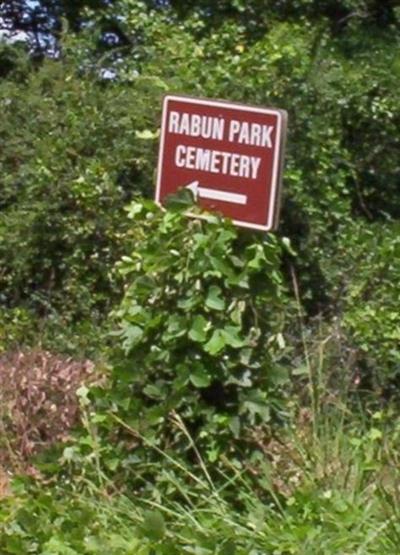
[
  {"x": 258, "y": 258},
  {"x": 255, "y": 404},
  {"x": 153, "y": 392},
  {"x": 113, "y": 463},
  {"x": 259, "y": 409},
  {"x": 234, "y": 426},
  {"x": 176, "y": 327},
  {"x": 132, "y": 336},
  {"x": 221, "y": 266},
  {"x": 214, "y": 300},
  {"x": 189, "y": 302},
  {"x": 200, "y": 378},
  {"x": 232, "y": 337},
  {"x": 301, "y": 370},
  {"x": 280, "y": 340},
  {"x": 229, "y": 548},
  {"x": 154, "y": 525},
  {"x": 237, "y": 312},
  {"x": 288, "y": 246},
  {"x": 375, "y": 434},
  {"x": 181, "y": 200},
  {"x": 243, "y": 381},
  {"x": 216, "y": 343},
  {"x": 198, "y": 330},
  {"x": 147, "y": 135}
]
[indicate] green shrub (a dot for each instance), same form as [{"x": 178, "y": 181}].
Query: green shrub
[
  {"x": 16, "y": 327},
  {"x": 72, "y": 156},
  {"x": 201, "y": 327},
  {"x": 364, "y": 269}
]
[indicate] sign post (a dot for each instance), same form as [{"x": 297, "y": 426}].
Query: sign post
[{"x": 229, "y": 155}]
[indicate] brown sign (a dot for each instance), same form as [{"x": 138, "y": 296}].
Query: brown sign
[{"x": 229, "y": 155}]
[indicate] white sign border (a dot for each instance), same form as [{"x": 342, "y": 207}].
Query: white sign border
[{"x": 276, "y": 170}]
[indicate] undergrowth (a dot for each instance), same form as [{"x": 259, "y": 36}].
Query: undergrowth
[
  {"x": 323, "y": 489},
  {"x": 154, "y": 467}
]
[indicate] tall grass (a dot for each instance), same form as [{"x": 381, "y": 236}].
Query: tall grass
[
  {"x": 326, "y": 483},
  {"x": 325, "y": 488}
]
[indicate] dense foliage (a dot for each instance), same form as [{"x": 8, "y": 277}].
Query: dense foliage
[
  {"x": 197, "y": 339},
  {"x": 72, "y": 157},
  {"x": 228, "y": 350},
  {"x": 80, "y": 141},
  {"x": 329, "y": 493}
]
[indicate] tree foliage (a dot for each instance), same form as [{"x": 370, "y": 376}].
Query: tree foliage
[
  {"x": 80, "y": 132},
  {"x": 69, "y": 165},
  {"x": 41, "y": 20}
]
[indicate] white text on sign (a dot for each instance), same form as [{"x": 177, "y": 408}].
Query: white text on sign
[
  {"x": 215, "y": 161},
  {"x": 228, "y": 154},
  {"x": 208, "y": 127}
]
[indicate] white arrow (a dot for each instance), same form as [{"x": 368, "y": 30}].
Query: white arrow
[{"x": 214, "y": 194}]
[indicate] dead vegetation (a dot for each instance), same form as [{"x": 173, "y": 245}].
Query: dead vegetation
[{"x": 38, "y": 404}]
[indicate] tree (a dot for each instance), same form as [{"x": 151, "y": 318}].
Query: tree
[
  {"x": 257, "y": 15},
  {"x": 40, "y": 21}
]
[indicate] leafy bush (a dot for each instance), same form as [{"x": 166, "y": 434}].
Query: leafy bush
[
  {"x": 72, "y": 157},
  {"x": 79, "y": 139},
  {"x": 364, "y": 270},
  {"x": 341, "y": 161},
  {"x": 201, "y": 327}
]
